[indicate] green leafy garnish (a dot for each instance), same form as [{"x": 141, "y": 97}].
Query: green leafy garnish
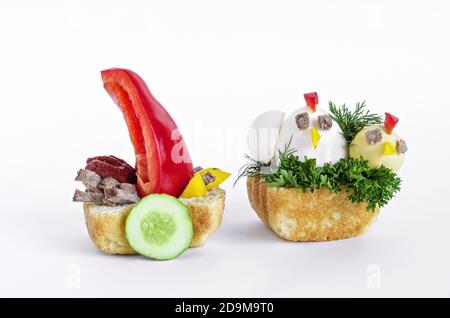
[
  {"x": 250, "y": 169},
  {"x": 362, "y": 183},
  {"x": 254, "y": 167},
  {"x": 351, "y": 122}
]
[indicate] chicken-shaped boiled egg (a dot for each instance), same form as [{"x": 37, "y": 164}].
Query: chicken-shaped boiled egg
[
  {"x": 379, "y": 145},
  {"x": 311, "y": 132},
  {"x": 263, "y": 135}
]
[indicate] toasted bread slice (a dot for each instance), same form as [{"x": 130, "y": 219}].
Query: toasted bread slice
[
  {"x": 318, "y": 216},
  {"x": 106, "y": 225},
  {"x": 206, "y": 214}
]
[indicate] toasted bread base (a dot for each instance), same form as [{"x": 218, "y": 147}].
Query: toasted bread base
[
  {"x": 318, "y": 216},
  {"x": 206, "y": 214},
  {"x": 106, "y": 225}
]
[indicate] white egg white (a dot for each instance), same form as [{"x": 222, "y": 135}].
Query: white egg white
[
  {"x": 263, "y": 135},
  {"x": 331, "y": 147}
]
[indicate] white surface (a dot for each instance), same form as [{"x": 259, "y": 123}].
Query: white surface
[{"x": 215, "y": 66}]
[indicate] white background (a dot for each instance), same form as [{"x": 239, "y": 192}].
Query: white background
[{"x": 215, "y": 65}]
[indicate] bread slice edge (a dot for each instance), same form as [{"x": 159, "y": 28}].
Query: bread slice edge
[{"x": 106, "y": 224}]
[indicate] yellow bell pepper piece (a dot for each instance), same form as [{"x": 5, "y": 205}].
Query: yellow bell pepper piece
[
  {"x": 195, "y": 188},
  {"x": 315, "y": 137},
  {"x": 389, "y": 149},
  {"x": 219, "y": 177}
]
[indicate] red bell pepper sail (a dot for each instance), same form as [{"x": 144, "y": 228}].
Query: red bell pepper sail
[
  {"x": 153, "y": 133},
  {"x": 312, "y": 99},
  {"x": 389, "y": 122}
]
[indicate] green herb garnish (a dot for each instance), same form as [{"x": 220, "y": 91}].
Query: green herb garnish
[
  {"x": 363, "y": 184},
  {"x": 351, "y": 122},
  {"x": 250, "y": 169},
  {"x": 254, "y": 167}
]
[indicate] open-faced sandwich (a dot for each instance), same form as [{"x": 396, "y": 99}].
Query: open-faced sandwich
[
  {"x": 318, "y": 175},
  {"x": 160, "y": 207}
]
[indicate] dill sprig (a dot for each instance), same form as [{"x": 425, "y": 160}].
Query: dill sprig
[
  {"x": 252, "y": 168},
  {"x": 351, "y": 122}
]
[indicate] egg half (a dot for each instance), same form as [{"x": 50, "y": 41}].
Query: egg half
[
  {"x": 263, "y": 135},
  {"x": 382, "y": 152},
  {"x": 313, "y": 141}
]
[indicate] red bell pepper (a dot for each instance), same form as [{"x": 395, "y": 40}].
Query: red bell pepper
[
  {"x": 312, "y": 99},
  {"x": 389, "y": 122},
  {"x": 163, "y": 163}
]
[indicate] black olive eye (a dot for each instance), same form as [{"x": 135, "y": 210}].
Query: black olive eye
[
  {"x": 302, "y": 120},
  {"x": 325, "y": 122}
]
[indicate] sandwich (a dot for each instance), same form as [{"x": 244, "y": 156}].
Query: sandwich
[
  {"x": 160, "y": 206},
  {"x": 321, "y": 175}
]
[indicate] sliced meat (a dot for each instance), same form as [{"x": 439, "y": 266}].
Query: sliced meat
[
  {"x": 110, "y": 166},
  {"x": 88, "y": 196},
  {"x": 81, "y": 196},
  {"x": 325, "y": 122},
  {"x": 96, "y": 195},
  {"x": 108, "y": 183},
  {"x": 401, "y": 146},
  {"x": 208, "y": 178},
  {"x": 109, "y": 186},
  {"x": 128, "y": 187},
  {"x": 373, "y": 136},
  {"x": 88, "y": 178},
  {"x": 113, "y": 160},
  {"x": 197, "y": 169},
  {"x": 124, "y": 195},
  {"x": 302, "y": 120},
  {"x": 108, "y": 180}
]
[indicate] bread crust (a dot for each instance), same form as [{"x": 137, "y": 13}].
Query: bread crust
[
  {"x": 106, "y": 225},
  {"x": 318, "y": 216},
  {"x": 206, "y": 214}
]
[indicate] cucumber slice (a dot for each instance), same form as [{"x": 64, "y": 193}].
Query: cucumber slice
[{"x": 159, "y": 227}]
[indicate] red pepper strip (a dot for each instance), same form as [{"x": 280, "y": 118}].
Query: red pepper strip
[
  {"x": 312, "y": 99},
  {"x": 153, "y": 133},
  {"x": 390, "y": 121}
]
